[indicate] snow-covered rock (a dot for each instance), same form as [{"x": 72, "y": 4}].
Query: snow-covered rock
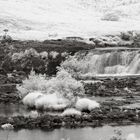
[
  {"x": 71, "y": 111},
  {"x": 7, "y": 126},
  {"x": 86, "y": 104},
  {"x": 50, "y": 101},
  {"x": 30, "y": 98}
]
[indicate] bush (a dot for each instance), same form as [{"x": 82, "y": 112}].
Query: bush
[
  {"x": 75, "y": 65},
  {"x": 53, "y": 54},
  {"x": 26, "y": 61},
  {"x": 127, "y": 36},
  {"x": 34, "y": 82},
  {"x": 63, "y": 89}
]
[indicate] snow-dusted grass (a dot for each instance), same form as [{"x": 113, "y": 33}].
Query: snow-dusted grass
[
  {"x": 86, "y": 104},
  {"x": 71, "y": 111}
]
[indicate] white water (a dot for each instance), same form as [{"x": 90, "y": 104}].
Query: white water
[{"x": 105, "y": 63}]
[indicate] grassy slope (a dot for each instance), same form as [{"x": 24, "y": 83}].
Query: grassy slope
[{"x": 37, "y": 19}]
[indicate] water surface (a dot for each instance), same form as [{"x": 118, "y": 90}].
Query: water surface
[{"x": 101, "y": 133}]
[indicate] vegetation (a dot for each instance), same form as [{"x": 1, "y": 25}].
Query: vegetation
[{"x": 61, "y": 86}]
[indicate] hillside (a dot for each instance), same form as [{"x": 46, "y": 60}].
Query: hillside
[{"x": 37, "y": 19}]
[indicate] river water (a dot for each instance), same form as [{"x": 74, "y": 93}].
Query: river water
[{"x": 101, "y": 133}]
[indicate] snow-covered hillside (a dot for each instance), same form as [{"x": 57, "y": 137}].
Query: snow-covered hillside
[{"x": 42, "y": 19}]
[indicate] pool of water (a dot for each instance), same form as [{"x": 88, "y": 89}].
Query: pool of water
[
  {"x": 13, "y": 109},
  {"x": 101, "y": 133}
]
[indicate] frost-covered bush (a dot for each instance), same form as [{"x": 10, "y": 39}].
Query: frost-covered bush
[
  {"x": 67, "y": 86},
  {"x": 110, "y": 17},
  {"x": 86, "y": 104},
  {"x": 33, "y": 114},
  {"x": 25, "y": 54},
  {"x": 34, "y": 82},
  {"x": 58, "y": 92},
  {"x": 127, "y": 36},
  {"x": 26, "y": 60},
  {"x": 53, "y": 54},
  {"x": 71, "y": 111},
  {"x": 44, "y": 55},
  {"x": 64, "y": 54},
  {"x": 76, "y": 65},
  {"x": 29, "y": 59}
]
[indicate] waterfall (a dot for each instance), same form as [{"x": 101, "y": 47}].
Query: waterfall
[{"x": 104, "y": 63}]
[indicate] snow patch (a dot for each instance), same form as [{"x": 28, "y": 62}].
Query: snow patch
[
  {"x": 30, "y": 98},
  {"x": 51, "y": 101},
  {"x": 7, "y": 126},
  {"x": 71, "y": 111},
  {"x": 86, "y": 104}
]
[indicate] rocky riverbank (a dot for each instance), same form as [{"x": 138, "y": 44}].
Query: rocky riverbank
[
  {"x": 125, "y": 86},
  {"x": 98, "y": 117}
]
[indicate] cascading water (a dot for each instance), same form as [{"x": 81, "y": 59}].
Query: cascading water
[{"x": 124, "y": 62}]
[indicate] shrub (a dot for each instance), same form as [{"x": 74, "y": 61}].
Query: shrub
[
  {"x": 127, "y": 36},
  {"x": 26, "y": 60},
  {"x": 34, "y": 82},
  {"x": 33, "y": 114},
  {"x": 53, "y": 54},
  {"x": 25, "y": 54},
  {"x": 44, "y": 55},
  {"x": 62, "y": 89},
  {"x": 75, "y": 65}
]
